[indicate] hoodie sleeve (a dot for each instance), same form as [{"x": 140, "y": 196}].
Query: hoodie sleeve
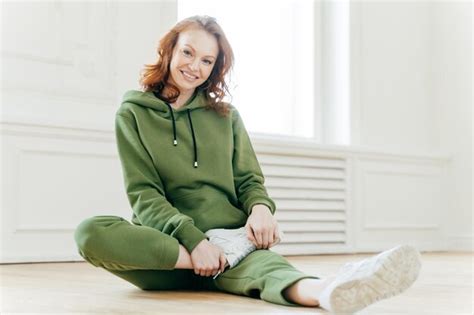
[
  {"x": 145, "y": 191},
  {"x": 248, "y": 177}
]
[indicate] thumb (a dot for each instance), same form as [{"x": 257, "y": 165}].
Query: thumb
[
  {"x": 223, "y": 262},
  {"x": 276, "y": 236}
]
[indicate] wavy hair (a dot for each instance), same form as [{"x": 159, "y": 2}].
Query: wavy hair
[{"x": 154, "y": 77}]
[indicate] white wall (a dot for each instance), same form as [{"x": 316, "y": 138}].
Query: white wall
[
  {"x": 140, "y": 25},
  {"x": 394, "y": 77},
  {"x": 335, "y": 73},
  {"x": 411, "y": 70},
  {"x": 451, "y": 98},
  {"x": 66, "y": 65}
]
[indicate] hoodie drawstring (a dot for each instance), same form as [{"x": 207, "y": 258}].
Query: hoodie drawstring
[
  {"x": 175, "y": 141},
  {"x": 194, "y": 139}
]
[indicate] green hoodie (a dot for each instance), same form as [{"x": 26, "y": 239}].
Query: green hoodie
[{"x": 187, "y": 170}]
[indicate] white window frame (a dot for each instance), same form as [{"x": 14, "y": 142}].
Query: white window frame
[{"x": 297, "y": 100}]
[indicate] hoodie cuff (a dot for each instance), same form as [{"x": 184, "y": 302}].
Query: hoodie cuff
[{"x": 190, "y": 236}]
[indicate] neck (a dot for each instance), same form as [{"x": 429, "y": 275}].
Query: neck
[{"x": 183, "y": 97}]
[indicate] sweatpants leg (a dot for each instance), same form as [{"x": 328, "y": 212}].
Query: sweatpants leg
[
  {"x": 140, "y": 255},
  {"x": 262, "y": 274},
  {"x": 146, "y": 257}
]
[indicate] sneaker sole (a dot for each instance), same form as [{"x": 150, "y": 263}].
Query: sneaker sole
[{"x": 389, "y": 275}]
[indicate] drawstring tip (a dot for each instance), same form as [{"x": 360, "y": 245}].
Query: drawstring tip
[
  {"x": 195, "y": 164},
  {"x": 175, "y": 142}
]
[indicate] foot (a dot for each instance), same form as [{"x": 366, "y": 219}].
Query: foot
[
  {"x": 362, "y": 283},
  {"x": 234, "y": 242}
]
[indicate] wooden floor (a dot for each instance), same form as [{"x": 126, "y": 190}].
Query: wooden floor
[{"x": 445, "y": 286}]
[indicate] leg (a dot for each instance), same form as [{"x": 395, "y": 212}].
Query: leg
[
  {"x": 306, "y": 292},
  {"x": 141, "y": 255},
  {"x": 113, "y": 243},
  {"x": 262, "y": 274}
]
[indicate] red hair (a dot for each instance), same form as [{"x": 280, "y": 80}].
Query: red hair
[{"x": 154, "y": 77}]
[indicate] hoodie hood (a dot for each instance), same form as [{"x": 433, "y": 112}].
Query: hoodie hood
[{"x": 151, "y": 100}]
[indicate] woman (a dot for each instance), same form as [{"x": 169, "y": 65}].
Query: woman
[{"x": 196, "y": 216}]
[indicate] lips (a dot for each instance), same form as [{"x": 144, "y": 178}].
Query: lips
[{"x": 188, "y": 76}]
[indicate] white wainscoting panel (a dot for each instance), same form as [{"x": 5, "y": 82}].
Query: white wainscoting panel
[
  {"x": 329, "y": 199},
  {"x": 334, "y": 199},
  {"x": 399, "y": 202},
  {"x": 50, "y": 183}
]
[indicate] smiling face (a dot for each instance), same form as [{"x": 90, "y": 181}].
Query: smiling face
[{"x": 193, "y": 59}]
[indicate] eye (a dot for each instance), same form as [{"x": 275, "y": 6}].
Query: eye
[
  {"x": 207, "y": 62},
  {"x": 186, "y": 52}
]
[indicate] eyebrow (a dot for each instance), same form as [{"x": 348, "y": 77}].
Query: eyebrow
[{"x": 195, "y": 50}]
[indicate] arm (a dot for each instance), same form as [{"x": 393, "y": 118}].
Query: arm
[
  {"x": 145, "y": 190},
  {"x": 262, "y": 227},
  {"x": 248, "y": 176}
]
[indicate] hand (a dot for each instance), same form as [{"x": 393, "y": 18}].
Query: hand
[
  {"x": 262, "y": 227},
  {"x": 208, "y": 259}
]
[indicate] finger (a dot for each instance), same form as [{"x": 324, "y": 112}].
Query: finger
[
  {"x": 258, "y": 237},
  {"x": 217, "y": 267},
  {"x": 216, "y": 270},
  {"x": 211, "y": 271},
  {"x": 270, "y": 237},
  {"x": 223, "y": 261},
  {"x": 265, "y": 239},
  {"x": 276, "y": 235},
  {"x": 250, "y": 236}
]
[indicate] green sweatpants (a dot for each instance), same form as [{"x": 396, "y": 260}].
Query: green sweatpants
[{"x": 146, "y": 258}]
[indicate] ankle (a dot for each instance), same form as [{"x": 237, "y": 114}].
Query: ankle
[{"x": 304, "y": 292}]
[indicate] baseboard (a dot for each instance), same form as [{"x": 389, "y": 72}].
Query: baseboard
[
  {"x": 460, "y": 242},
  {"x": 36, "y": 259}
]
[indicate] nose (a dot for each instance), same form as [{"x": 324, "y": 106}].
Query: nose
[{"x": 194, "y": 65}]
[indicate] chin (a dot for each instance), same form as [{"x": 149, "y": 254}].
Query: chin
[{"x": 184, "y": 86}]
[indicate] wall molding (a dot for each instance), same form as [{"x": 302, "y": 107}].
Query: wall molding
[
  {"x": 401, "y": 226},
  {"x": 279, "y": 155}
]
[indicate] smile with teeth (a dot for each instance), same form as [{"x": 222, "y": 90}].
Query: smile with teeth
[{"x": 188, "y": 76}]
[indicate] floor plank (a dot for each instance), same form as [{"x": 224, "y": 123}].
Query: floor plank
[{"x": 445, "y": 286}]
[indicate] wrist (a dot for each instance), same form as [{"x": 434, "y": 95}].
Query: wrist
[
  {"x": 200, "y": 244},
  {"x": 260, "y": 207}
]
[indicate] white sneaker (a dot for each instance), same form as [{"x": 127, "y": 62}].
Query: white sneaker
[
  {"x": 234, "y": 242},
  {"x": 359, "y": 284}
]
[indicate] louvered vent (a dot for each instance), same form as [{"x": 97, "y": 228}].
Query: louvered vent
[{"x": 310, "y": 195}]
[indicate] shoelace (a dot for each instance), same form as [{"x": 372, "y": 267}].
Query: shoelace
[
  {"x": 233, "y": 246},
  {"x": 243, "y": 248}
]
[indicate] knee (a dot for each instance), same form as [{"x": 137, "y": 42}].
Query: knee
[
  {"x": 84, "y": 233},
  {"x": 88, "y": 231}
]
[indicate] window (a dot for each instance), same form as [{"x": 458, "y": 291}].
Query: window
[{"x": 272, "y": 84}]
